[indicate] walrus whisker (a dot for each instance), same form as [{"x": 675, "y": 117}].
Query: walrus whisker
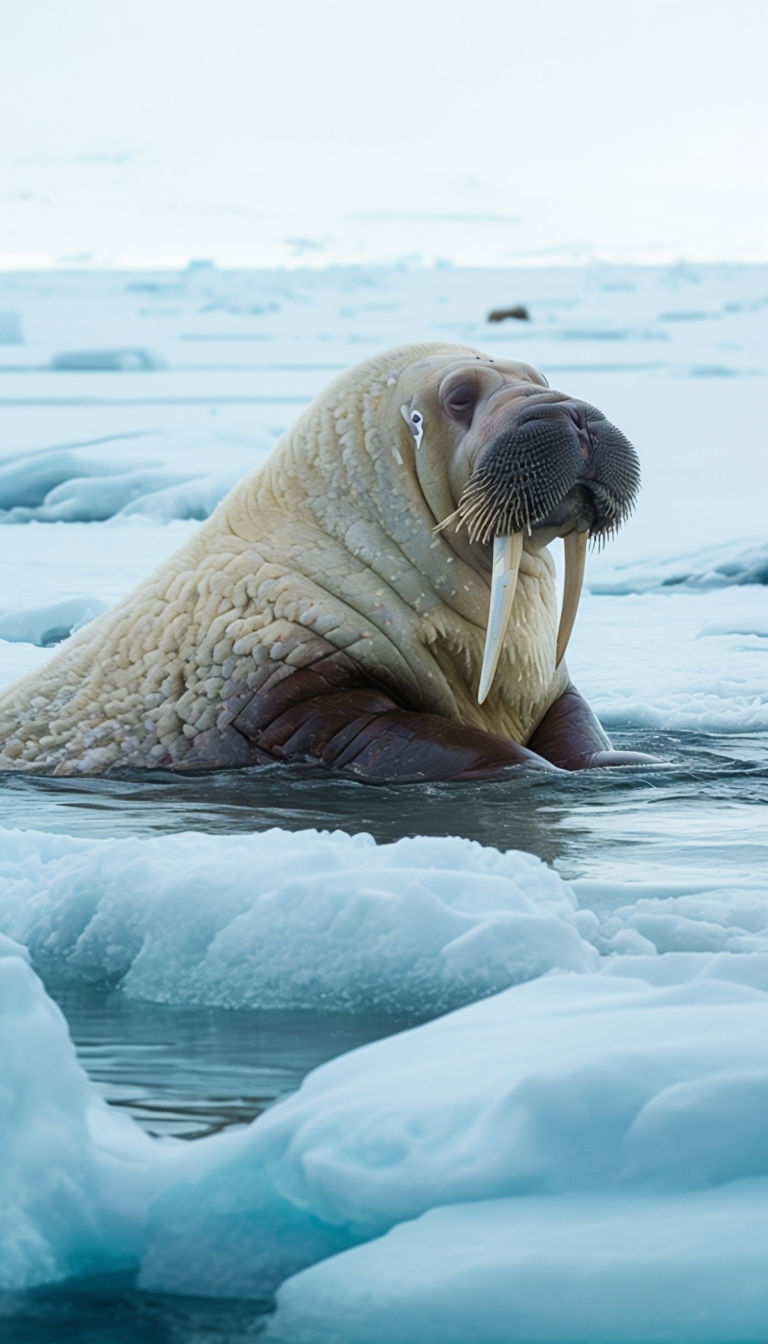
[
  {"x": 507, "y": 553},
  {"x": 454, "y": 519},
  {"x": 575, "y": 551}
]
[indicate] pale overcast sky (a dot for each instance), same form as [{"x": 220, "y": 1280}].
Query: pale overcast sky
[{"x": 153, "y": 131}]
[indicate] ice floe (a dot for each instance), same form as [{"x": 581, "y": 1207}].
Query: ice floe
[
  {"x": 581, "y": 1156},
  {"x": 320, "y": 921},
  {"x": 75, "y": 1176},
  {"x": 49, "y": 625},
  {"x": 329, "y": 921},
  {"x": 593, "y": 1098}
]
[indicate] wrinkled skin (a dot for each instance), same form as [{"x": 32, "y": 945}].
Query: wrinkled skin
[{"x": 334, "y": 607}]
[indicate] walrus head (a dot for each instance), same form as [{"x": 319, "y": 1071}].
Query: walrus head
[{"x": 525, "y": 464}]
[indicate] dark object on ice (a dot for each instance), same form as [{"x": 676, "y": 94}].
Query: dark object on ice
[
  {"x": 106, "y": 361},
  {"x": 500, "y": 314}
]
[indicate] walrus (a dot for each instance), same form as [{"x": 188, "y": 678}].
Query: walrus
[{"x": 377, "y": 598}]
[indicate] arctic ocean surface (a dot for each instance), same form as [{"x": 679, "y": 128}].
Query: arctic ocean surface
[{"x": 315, "y": 1060}]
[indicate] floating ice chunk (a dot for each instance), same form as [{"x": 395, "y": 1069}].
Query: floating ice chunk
[
  {"x": 75, "y": 1177},
  {"x": 581, "y": 1142},
  {"x": 602, "y": 1100},
  {"x": 689, "y": 1268},
  {"x": 273, "y": 920},
  {"x": 113, "y": 361}
]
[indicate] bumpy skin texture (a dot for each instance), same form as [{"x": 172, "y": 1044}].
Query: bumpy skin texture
[{"x": 318, "y": 616}]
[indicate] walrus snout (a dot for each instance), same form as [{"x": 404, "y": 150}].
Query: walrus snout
[
  {"x": 559, "y": 464},
  {"x": 555, "y": 466}
]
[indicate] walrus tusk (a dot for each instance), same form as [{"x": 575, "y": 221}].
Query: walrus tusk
[
  {"x": 575, "y": 551},
  {"x": 506, "y": 564}
]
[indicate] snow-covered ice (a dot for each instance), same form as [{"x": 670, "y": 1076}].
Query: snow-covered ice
[
  {"x": 329, "y": 922},
  {"x": 75, "y": 1176},
  {"x": 651, "y": 1267},
  {"x": 50, "y": 624},
  {"x": 580, "y": 1154}
]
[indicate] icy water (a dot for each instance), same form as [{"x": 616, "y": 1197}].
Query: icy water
[
  {"x": 189, "y": 1072},
  {"x": 699, "y": 809},
  {"x": 108, "y": 1309}
]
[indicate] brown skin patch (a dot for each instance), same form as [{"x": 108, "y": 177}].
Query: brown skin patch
[{"x": 312, "y": 715}]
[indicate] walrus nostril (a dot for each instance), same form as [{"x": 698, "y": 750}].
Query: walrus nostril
[
  {"x": 525, "y": 474},
  {"x": 586, "y": 444},
  {"x": 521, "y": 476}
]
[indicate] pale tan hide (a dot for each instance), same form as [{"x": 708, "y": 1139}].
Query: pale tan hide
[{"x": 329, "y": 546}]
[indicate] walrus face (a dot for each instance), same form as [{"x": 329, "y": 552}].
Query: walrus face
[{"x": 525, "y": 464}]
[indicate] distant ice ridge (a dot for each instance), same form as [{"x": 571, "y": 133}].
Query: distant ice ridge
[
  {"x": 577, "y": 1157},
  {"x": 722, "y": 566},
  {"x": 161, "y": 475},
  {"x": 106, "y": 360}
]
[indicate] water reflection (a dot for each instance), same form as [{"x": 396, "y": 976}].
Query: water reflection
[
  {"x": 109, "y": 1309},
  {"x": 191, "y": 1071}
]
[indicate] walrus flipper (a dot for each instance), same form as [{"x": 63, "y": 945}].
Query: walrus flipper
[
  {"x": 571, "y": 737},
  {"x": 364, "y": 733}
]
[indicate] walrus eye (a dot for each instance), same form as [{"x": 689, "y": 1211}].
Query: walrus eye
[{"x": 460, "y": 402}]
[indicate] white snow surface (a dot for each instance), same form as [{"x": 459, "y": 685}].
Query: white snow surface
[{"x": 581, "y": 1154}]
